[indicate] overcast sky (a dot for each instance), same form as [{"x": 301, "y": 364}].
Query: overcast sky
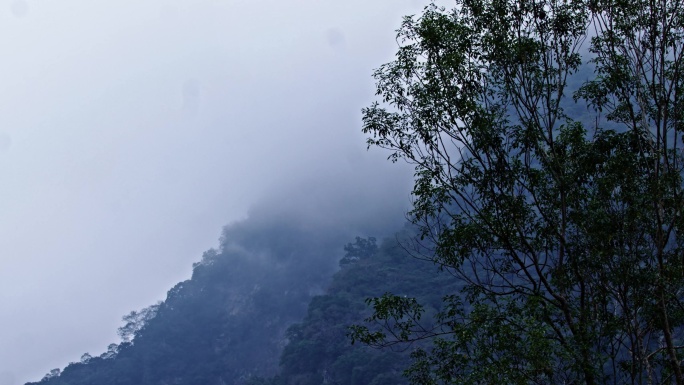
[{"x": 131, "y": 131}]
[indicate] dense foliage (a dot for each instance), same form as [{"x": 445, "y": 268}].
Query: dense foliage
[
  {"x": 319, "y": 350},
  {"x": 566, "y": 229}
]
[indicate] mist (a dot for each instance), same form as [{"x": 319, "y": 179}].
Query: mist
[{"x": 133, "y": 132}]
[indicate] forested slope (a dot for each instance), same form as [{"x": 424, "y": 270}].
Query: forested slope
[
  {"x": 227, "y": 323},
  {"x": 234, "y": 321},
  {"x": 319, "y": 349}
]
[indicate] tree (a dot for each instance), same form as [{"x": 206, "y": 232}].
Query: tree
[
  {"x": 135, "y": 321},
  {"x": 564, "y": 223},
  {"x": 51, "y": 374},
  {"x": 360, "y": 249},
  {"x": 85, "y": 358}
]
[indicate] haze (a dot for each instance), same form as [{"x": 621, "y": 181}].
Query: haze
[{"x": 133, "y": 131}]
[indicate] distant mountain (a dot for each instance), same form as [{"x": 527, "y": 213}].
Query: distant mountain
[
  {"x": 227, "y": 323},
  {"x": 242, "y": 318}
]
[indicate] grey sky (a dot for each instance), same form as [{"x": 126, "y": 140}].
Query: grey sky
[{"x": 131, "y": 131}]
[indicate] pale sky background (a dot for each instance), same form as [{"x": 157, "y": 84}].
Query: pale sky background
[{"x": 131, "y": 131}]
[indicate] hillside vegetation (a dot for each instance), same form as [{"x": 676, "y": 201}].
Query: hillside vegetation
[{"x": 242, "y": 317}]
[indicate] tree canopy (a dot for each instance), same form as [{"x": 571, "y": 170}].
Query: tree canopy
[{"x": 546, "y": 137}]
